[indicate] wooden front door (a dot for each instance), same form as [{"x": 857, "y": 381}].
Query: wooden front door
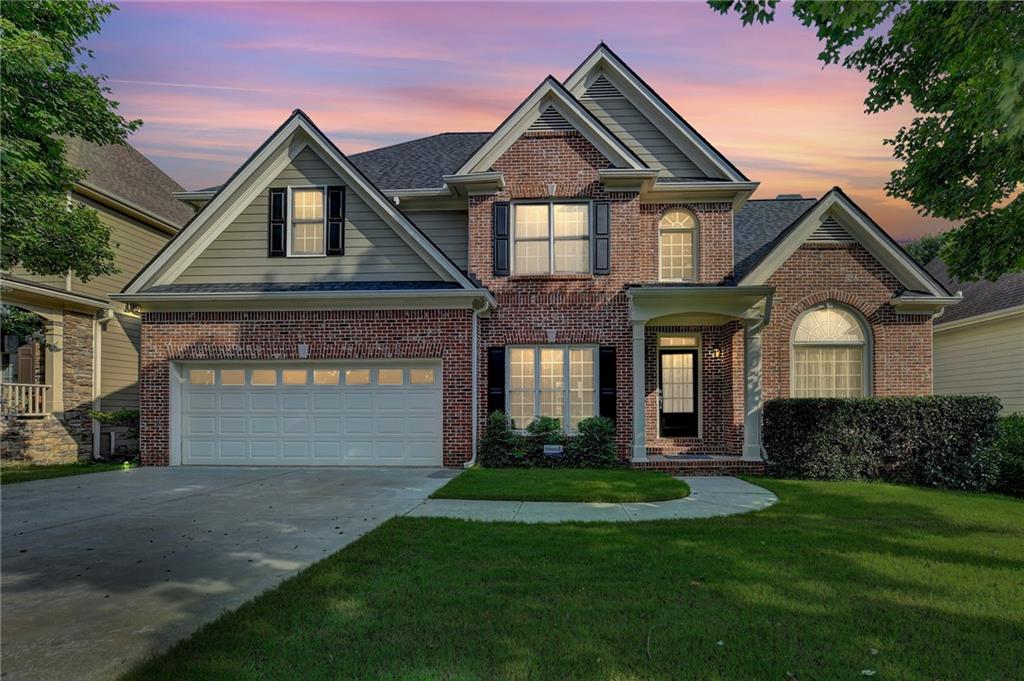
[{"x": 677, "y": 382}]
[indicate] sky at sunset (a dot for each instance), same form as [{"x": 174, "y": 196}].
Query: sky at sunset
[{"x": 212, "y": 81}]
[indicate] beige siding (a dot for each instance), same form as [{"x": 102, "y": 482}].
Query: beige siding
[
  {"x": 983, "y": 359},
  {"x": 642, "y": 137},
  {"x": 119, "y": 360},
  {"x": 449, "y": 230},
  {"x": 373, "y": 251}
]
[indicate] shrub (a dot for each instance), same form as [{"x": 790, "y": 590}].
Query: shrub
[
  {"x": 129, "y": 418},
  {"x": 1009, "y": 451},
  {"x": 941, "y": 441},
  {"x": 593, "y": 445},
  {"x": 503, "y": 447}
]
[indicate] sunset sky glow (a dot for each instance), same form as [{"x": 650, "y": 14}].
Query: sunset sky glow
[{"x": 212, "y": 81}]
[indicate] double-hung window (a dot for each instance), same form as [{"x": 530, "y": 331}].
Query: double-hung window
[
  {"x": 307, "y": 227},
  {"x": 554, "y": 381},
  {"x": 551, "y": 238}
]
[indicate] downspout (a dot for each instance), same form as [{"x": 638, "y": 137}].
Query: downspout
[
  {"x": 763, "y": 322},
  {"x": 99, "y": 325},
  {"x": 474, "y": 378}
]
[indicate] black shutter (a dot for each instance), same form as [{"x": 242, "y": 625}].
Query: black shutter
[
  {"x": 501, "y": 236},
  {"x": 495, "y": 380},
  {"x": 602, "y": 238},
  {"x": 606, "y": 382},
  {"x": 335, "y": 221},
  {"x": 277, "y": 214}
]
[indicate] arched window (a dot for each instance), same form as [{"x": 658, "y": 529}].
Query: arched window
[
  {"x": 831, "y": 353},
  {"x": 677, "y": 243}
]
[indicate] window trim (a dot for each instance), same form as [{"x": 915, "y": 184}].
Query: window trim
[
  {"x": 695, "y": 230},
  {"x": 566, "y": 390},
  {"x": 551, "y": 203},
  {"x": 867, "y": 359},
  {"x": 289, "y": 223}
]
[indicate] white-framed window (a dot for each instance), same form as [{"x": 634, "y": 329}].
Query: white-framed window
[
  {"x": 551, "y": 238},
  {"x": 677, "y": 245},
  {"x": 831, "y": 354},
  {"x": 307, "y": 221},
  {"x": 557, "y": 381}
]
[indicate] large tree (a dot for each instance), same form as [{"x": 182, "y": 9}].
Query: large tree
[
  {"x": 960, "y": 66},
  {"x": 46, "y": 95}
]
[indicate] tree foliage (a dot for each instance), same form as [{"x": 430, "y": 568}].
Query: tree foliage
[
  {"x": 927, "y": 248},
  {"x": 46, "y": 95},
  {"x": 27, "y": 327},
  {"x": 960, "y": 65}
]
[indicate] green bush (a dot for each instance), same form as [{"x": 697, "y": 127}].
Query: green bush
[
  {"x": 502, "y": 446},
  {"x": 1009, "y": 451},
  {"x": 129, "y": 418},
  {"x": 941, "y": 441}
]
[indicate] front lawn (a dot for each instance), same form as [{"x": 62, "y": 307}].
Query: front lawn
[
  {"x": 11, "y": 473},
  {"x": 563, "y": 484},
  {"x": 836, "y": 581}
]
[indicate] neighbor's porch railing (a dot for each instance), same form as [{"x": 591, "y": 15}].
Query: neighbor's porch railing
[{"x": 24, "y": 399}]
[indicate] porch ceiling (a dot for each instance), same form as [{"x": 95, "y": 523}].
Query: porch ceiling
[{"x": 663, "y": 303}]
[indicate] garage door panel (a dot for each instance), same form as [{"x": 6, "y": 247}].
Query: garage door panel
[{"x": 317, "y": 422}]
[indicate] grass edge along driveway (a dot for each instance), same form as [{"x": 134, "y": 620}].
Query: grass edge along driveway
[
  {"x": 835, "y": 581},
  {"x": 612, "y": 485},
  {"x": 14, "y": 473}
]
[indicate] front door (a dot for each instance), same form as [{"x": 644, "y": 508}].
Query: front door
[{"x": 678, "y": 386}]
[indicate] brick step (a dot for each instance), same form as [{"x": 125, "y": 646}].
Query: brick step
[{"x": 719, "y": 465}]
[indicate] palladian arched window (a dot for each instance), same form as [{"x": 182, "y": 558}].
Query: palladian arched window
[
  {"x": 677, "y": 245},
  {"x": 831, "y": 353}
]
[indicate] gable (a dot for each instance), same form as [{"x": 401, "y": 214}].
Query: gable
[
  {"x": 835, "y": 216},
  {"x": 550, "y": 107},
  {"x": 631, "y": 126},
  {"x": 373, "y": 251},
  {"x": 655, "y": 110},
  {"x": 281, "y": 159}
]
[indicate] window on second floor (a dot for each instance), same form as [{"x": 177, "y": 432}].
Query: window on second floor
[
  {"x": 551, "y": 238},
  {"x": 308, "y": 224},
  {"x": 677, "y": 244}
]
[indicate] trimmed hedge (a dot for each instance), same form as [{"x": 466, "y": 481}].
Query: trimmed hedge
[
  {"x": 940, "y": 441},
  {"x": 1009, "y": 449},
  {"x": 593, "y": 446}
]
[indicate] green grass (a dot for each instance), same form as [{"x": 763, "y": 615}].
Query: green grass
[
  {"x": 835, "y": 579},
  {"x": 11, "y": 473},
  {"x": 563, "y": 484}
]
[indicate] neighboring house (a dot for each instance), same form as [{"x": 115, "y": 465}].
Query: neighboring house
[
  {"x": 47, "y": 393},
  {"x": 979, "y": 344},
  {"x": 593, "y": 255}
]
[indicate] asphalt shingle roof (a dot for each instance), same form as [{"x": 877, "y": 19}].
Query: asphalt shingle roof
[
  {"x": 419, "y": 163},
  {"x": 758, "y": 226},
  {"x": 979, "y": 296},
  {"x": 122, "y": 172}
]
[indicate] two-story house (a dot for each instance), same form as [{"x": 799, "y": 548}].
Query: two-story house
[
  {"x": 91, "y": 360},
  {"x": 593, "y": 255}
]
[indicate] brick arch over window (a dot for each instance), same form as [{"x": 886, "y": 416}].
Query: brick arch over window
[
  {"x": 870, "y": 314},
  {"x": 831, "y": 367}
]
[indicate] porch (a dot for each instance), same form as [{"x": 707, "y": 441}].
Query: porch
[{"x": 697, "y": 377}]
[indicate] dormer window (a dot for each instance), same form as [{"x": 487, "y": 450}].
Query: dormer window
[
  {"x": 551, "y": 238},
  {"x": 307, "y": 227},
  {"x": 677, "y": 239}
]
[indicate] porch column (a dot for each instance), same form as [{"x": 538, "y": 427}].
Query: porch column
[
  {"x": 53, "y": 360},
  {"x": 639, "y": 390},
  {"x": 752, "y": 397}
]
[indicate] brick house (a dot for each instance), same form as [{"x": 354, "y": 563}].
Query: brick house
[{"x": 592, "y": 255}]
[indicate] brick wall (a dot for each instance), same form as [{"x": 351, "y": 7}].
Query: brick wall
[
  {"x": 582, "y": 309},
  {"x": 848, "y": 274},
  {"x": 333, "y": 334}
]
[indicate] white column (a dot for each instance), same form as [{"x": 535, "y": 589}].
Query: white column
[
  {"x": 639, "y": 391},
  {"x": 752, "y": 396},
  {"x": 54, "y": 360}
]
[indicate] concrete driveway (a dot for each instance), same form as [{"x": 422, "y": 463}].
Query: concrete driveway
[{"x": 102, "y": 570}]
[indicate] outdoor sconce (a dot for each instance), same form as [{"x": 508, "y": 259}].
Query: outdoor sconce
[
  {"x": 303, "y": 351},
  {"x": 716, "y": 352},
  {"x": 551, "y": 188}
]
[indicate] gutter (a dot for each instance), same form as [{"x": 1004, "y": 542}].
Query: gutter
[{"x": 305, "y": 295}]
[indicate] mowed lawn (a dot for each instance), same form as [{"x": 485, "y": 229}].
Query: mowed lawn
[
  {"x": 11, "y": 473},
  {"x": 563, "y": 484},
  {"x": 836, "y": 581}
]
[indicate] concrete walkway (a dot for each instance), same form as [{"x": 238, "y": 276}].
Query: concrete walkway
[{"x": 709, "y": 497}]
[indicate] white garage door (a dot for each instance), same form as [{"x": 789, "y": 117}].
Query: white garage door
[{"x": 318, "y": 414}]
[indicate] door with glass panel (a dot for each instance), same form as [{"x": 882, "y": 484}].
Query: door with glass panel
[{"x": 678, "y": 390}]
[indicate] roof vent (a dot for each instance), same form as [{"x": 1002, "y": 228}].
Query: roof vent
[
  {"x": 601, "y": 88},
  {"x": 550, "y": 119},
  {"x": 788, "y": 197}
]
